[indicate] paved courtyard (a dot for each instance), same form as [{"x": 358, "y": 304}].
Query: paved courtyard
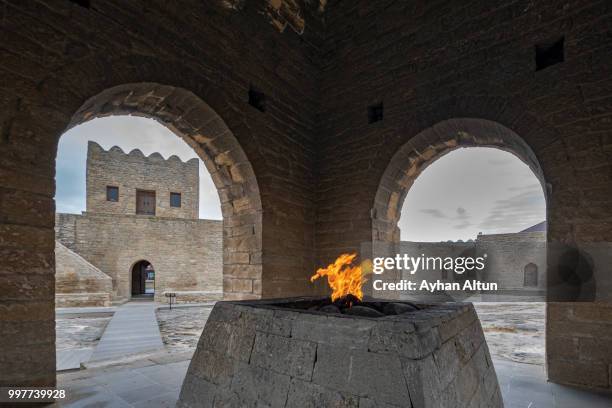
[
  {"x": 514, "y": 332},
  {"x": 181, "y": 327}
]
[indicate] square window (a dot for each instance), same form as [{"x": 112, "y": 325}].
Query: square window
[
  {"x": 257, "y": 99},
  {"x": 550, "y": 53},
  {"x": 112, "y": 193},
  {"x": 175, "y": 200},
  {"x": 375, "y": 113}
]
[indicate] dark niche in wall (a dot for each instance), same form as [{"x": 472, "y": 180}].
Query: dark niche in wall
[
  {"x": 375, "y": 113},
  {"x": 257, "y": 99},
  {"x": 549, "y": 53}
]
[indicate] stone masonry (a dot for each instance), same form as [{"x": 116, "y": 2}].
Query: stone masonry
[
  {"x": 274, "y": 97},
  {"x": 185, "y": 252},
  {"x": 262, "y": 354},
  {"x": 507, "y": 256},
  {"x": 79, "y": 283},
  {"x": 133, "y": 172}
]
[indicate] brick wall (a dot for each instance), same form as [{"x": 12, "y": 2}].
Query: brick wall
[
  {"x": 57, "y": 54},
  {"x": 132, "y": 172},
  {"x": 77, "y": 282},
  {"x": 428, "y": 62},
  {"x": 185, "y": 253}
]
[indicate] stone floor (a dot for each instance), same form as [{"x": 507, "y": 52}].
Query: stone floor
[
  {"x": 525, "y": 386},
  {"x": 151, "y": 382},
  {"x": 514, "y": 332},
  {"x": 155, "y": 381},
  {"x": 77, "y": 335},
  {"x": 181, "y": 327},
  {"x": 133, "y": 329},
  {"x": 80, "y": 330}
]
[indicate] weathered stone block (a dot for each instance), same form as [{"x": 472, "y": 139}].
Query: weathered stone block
[
  {"x": 284, "y": 355},
  {"x": 278, "y": 353},
  {"x": 362, "y": 373},
  {"x": 303, "y": 394},
  {"x": 256, "y": 386}
]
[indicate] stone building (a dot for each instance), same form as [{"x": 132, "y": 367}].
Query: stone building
[
  {"x": 314, "y": 119},
  {"x": 516, "y": 262},
  {"x": 141, "y": 229}
]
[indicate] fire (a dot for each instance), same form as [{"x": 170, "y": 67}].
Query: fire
[{"x": 343, "y": 277}]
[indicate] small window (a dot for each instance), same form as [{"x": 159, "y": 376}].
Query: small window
[
  {"x": 112, "y": 193},
  {"x": 550, "y": 53},
  {"x": 530, "y": 275},
  {"x": 175, "y": 200},
  {"x": 375, "y": 113},
  {"x": 257, "y": 99}
]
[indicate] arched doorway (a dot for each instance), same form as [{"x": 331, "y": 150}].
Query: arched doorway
[
  {"x": 530, "y": 275},
  {"x": 194, "y": 121},
  {"x": 143, "y": 280},
  {"x": 423, "y": 151}
]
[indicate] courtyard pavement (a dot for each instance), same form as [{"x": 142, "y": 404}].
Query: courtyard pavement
[
  {"x": 133, "y": 329},
  {"x": 151, "y": 382},
  {"x": 155, "y": 382},
  {"x": 132, "y": 368},
  {"x": 525, "y": 386}
]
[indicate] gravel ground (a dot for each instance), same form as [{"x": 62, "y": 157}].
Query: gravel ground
[
  {"x": 79, "y": 332},
  {"x": 181, "y": 327},
  {"x": 514, "y": 331}
]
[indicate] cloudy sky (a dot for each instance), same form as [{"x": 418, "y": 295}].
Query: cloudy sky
[
  {"x": 127, "y": 132},
  {"x": 469, "y": 191},
  {"x": 461, "y": 194}
]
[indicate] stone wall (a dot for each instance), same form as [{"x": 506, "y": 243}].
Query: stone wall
[
  {"x": 428, "y": 62},
  {"x": 77, "y": 282},
  {"x": 509, "y": 254},
  {"x": 303, "y": 157},
  {"x": 58, "y": 55},
  {"x": 506, "y": 255},
  {"x": 132, "y": 172},
  {"x": 252, "y": 356},
  {"x": 186, "y": 254}
]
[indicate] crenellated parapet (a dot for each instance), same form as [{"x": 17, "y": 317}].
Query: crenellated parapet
[{"x": 133, "y": 183}]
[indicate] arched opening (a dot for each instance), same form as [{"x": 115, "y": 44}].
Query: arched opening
[
  {"x": 140, "y": 201},
  {"x": 442, "y": 225},
  {"x": 143, "y": 280},
  {"x": 530, "y": 275},
  {"x": 191, "y": 119}
]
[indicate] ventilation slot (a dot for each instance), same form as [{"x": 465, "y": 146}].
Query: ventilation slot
[
  {"x": 375, "y": 113},
  {"x": 550, "y": 53},
  {"x": 257, "y": 99},
  {"x": 83, "y": 3}
]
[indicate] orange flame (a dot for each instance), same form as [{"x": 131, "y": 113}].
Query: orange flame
[{"x": 342, "y": 277}]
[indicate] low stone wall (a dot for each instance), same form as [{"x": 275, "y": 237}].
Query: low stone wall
[
  {"x": 77, "y": 282},
  {"x": 185, "y": 253},
  {"x": 256, "y": 354}
]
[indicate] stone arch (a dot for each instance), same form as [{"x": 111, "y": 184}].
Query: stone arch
[
  {"x": 194, "y": 121},
  {"x": 424, "y": 149},
  {"x": 530, "y": 275},
  {"x": 136, "y": 273}
]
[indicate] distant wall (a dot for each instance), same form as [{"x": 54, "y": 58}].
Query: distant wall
[
  {"x": 78, "y": 282},
  {"x": 135, "y": 171},
  {"x": 186, "y": 253},
  {"x": 507, "y": 255}
]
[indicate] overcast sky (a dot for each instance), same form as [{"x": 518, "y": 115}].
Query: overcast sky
[
  {"x": 463, "y": 193},
  {"x": 472, "y": 190},
  {"x": 127, "y": 132}
]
